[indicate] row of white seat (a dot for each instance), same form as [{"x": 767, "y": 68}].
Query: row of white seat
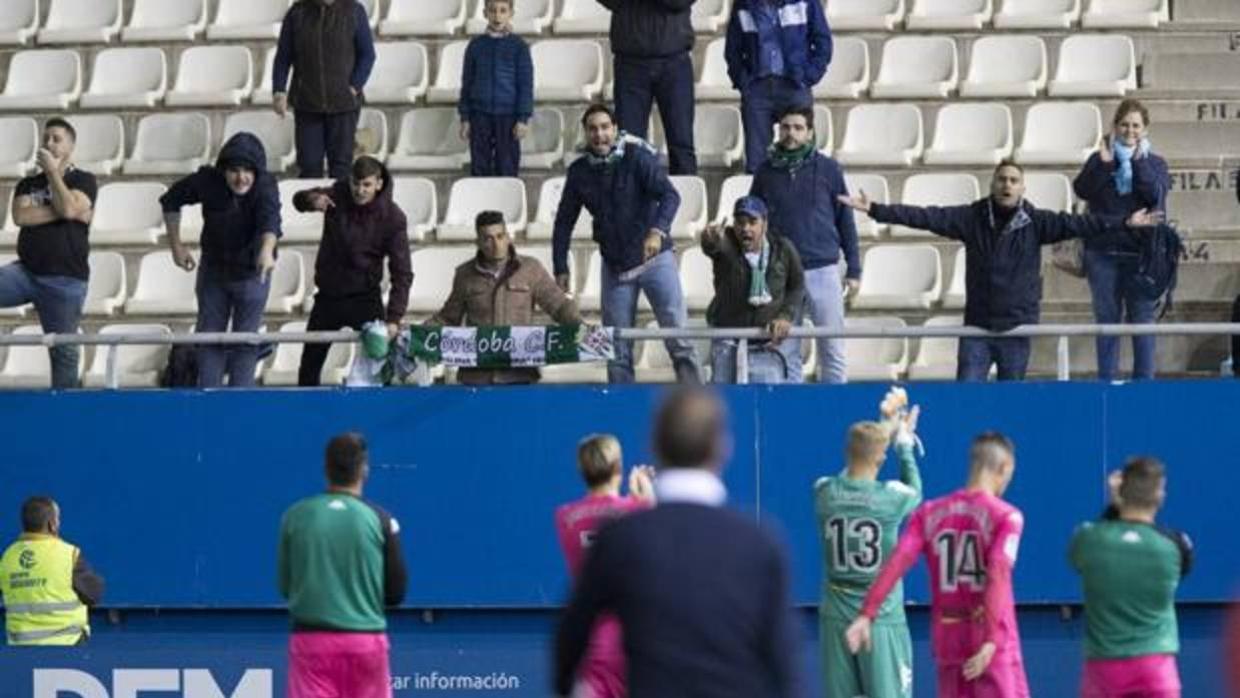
[{"x": 101, "y": 21}]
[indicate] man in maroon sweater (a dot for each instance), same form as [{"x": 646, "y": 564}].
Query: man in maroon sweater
[{"x": 361, "y": 226}]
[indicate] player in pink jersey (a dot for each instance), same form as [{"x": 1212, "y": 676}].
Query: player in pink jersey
[
  {"x": 970, "y": 539},
  {"x": 602, "y": 673}
]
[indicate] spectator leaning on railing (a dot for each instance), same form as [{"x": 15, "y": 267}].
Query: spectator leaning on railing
[{"x": 497, "y": 95}]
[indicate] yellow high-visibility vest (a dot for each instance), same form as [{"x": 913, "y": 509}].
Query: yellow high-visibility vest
[{"x": 36, "y": 579}]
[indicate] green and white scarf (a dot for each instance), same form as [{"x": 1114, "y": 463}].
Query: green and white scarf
[
  {"x": 759, "y": 294},
  {"x": 503, "y": 346}
]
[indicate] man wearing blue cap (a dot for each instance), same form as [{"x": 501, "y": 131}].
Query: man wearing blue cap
[{"x": 758, "y": 283}]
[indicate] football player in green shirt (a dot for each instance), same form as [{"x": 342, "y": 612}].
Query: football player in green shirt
[{"x": 858, "y": 521}]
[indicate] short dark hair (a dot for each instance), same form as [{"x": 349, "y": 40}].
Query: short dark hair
[
  {"x": 1142, "y": 483},
  {"x": 1009, "y": 162},
  {"x": 511, "y": 3},
  {"x": 367, "y": 166},
  {"x": 37, "y": 513},
  {"x": 988, "y": 448},
  {"x": 597, "y": 108},
  {"x": 346, "y": 459},
  {"x": 799, "y": 110},
  {"x": 57, "y": 122},
  {"x": 689, "y": 428},
  {"x": 487, "y": 218}
]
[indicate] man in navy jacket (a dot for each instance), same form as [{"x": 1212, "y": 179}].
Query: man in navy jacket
[
  {"x": 1003, "y": 236},
  {"x": 701, "y": 590},
  {"x": 633, "y": 203},
  {"x": 776, "y": 51}
]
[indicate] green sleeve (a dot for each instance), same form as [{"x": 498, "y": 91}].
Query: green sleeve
[{"x": 910, "y": 476}]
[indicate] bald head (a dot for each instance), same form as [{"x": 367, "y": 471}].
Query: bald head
[{"x": 689, "y": 429}]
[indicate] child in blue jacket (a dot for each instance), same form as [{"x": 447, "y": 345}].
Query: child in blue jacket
[{"x": 497, "y": 95}]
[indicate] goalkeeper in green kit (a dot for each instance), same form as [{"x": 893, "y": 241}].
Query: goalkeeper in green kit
[{"x": 858, "y": 521}]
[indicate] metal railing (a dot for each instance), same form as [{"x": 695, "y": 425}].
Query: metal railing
[{"x": 1061, "y": 332}]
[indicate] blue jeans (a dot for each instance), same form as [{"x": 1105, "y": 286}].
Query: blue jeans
[
  {"x": 58, "y": 301},
  {"x": 493, "y": 150},
  {"x": 640, "y": 82},
  {"x": 824, "y": 305},
  {"x": 1113, "y": 294},
  {"x": 766, "y": 365},
  {"x": 976, "y": 354},
  {"x": 317, "y": 135},
  {"x": 661, "y": 284},
  {"x": 220, "y": 300},
  {"x": 762, "y": 101}
]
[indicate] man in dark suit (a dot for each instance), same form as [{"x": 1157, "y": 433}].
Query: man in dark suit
[{"x": 701, "y": 591}]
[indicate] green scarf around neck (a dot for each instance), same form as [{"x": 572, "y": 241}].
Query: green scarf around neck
[{"x": 789, "y": 159}]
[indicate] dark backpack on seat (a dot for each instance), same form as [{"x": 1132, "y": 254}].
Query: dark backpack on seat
[{"x": 1160, "y": 252}]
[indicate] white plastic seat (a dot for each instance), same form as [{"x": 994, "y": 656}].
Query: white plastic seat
[
  {"x": 1006, "y": 66},
  {"x": 18, "y": 311},
  {"x": 42, "y": 79},
  {"x": 1037, "y": 14},
  {"x": 848, "y": 75},
  {"x": 709, "y": 16},
  {"x": 423, "y": 17},
  {"x": 1095, "y": 65},
  {"x": 899, "y": 277},
  {"x": 543, "y": 148},
  {"x": 18, "y": 22},
  {"x": 81, "y": 22},
  {"x": 937, "y": 189},
  {"x": 447, "y": 87},
  {"x": 864, "y": 15},
  {"x": 274, "y": 131},
  {"x": 733, "y": 188},
  {"x": 824, "y": 130},
  {"x": 262, "y": 90},
  {"x": 372, "y": 133},
  {"x": 471, "y": 195},
  {"x": 26, "y": 366},
  {"x": 951, "y": 15},
  {"x": 692, "y": 215},
  {"x": 170, "y": 144},
  {"x": 1060, "y": 133},
  {"x": 877, "y": 190},
  {"x": 717, "y": 136},
  {"x": 543, "y": 225},
  {"x": 19, "y": 144},
  {"x": 137, "y": 365},
  {"x": 300, "y": 226},
  {"x": 1133, "y": 14},
  {"x": 882, "y": 135},
  {"x": 247, "y": 19},
  {"x": 584, "y": 17},
  {"x": 953, "y": 295},
  {"x": 429, "y": 139},
  {"x": 401, "y": 73},
  {"x": 528, "y": 17},
  {"x": 212, "y": 76},
  {"x": 569, "y": 70},
  {"x": 697, "y": 279},
  {"x": 166, "y": 20},
  {"x": 288, "y": 283},
  {"x": 108, "y": 286},
  {"x": 589, "y": 298},
  {"x": 100, "y": 146},
  {"x": 163, "y": 288},
  {"x": 917, "y": 66},
  {"x": 287, "y": 360},
  {"x": 875, "y": 358},
  {"x": 1049, "y": 190},
  {"x": 433, "y": 270},
  {"x": 971, "y": 134},
  {"x": 127, "y": 78},
  {"x": 714, "y": 82},
  {"x": 936, "y": 356},
  {"x": 416, "y": 197},
  {"x": 9, "y": 232},
  {"x": 128, "y": 213}
]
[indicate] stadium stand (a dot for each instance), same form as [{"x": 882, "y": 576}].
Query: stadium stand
[
  {"x": 582, "y": 17},
  {"x": 417, "y": 198},
  {"x": 288, "y": 283},
  {"x": 917, "y": 67},
  {"x": 137, "y": 365},
  {"x": 300, "y": 226},
  {"x": 128, "y": 213},
  {"x": 949, "y": 15},
  {"x": 47, "y": 79},
  {"x": 899, "y": 277},
  {"x": 936, "y": 189},
  {"x": 81, "y": 22},
  {"x": 543, "y": 224},
  {"x": 169, "y": 144},
  {"x": 953, "y": 295},
  {"x": 880, "y": 135},
  {"x": 212, "y": 76},
  {"x": 423, "y": 17},
  {"x": 543, "y": 148},
  {"x": 1093, "y": 65},
  {"x": 876, "y": 188},
  {"x": 163, "y": 288},
  {"x": 697, "y": 279},
  {"x": 971, "y": 134},
  {"x": 19, "y": 22},
  {"x": 848, "y": 75},
  {"x": 433, "y": 269},
  {"x": 372, "y": 133},
  {"x": 936, "y": 356},
  {"x": 19, "y": 142},
  {"x": 109, "y": 284},
  {"x": 127, "y": 78},
  {"x": 864, "y": 15},
  {"x": 1060, "y": 133},
  {"x": 101, "y": 142},
  {"x": 161, "y": 20},
  {"x": 287, "y": 358},
  {"x": 429, "y": 140},
  {"x": 1134, "y": 14},
  {"x": 472, "y": 195},
  {"x": 274, "y": 131},
  {"x": 875, "y": 358},
  {"x": 566, "y": 70},
  {"x": 447, "y": 87},
  {"x": 1037, "y": 14},
  {"x": 733, "y": 188},
  {"x": 1006, "y": 66},
  {"x": 401, "y": 74},
  {"x": 247, "y": 19}
]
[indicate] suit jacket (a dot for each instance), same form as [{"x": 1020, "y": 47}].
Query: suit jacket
[{"x": 702, "y": 595}]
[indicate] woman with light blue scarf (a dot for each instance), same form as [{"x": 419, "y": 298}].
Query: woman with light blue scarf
[{"x": 1123, "y": 176}]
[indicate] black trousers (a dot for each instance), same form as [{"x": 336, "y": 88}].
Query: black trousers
[
  {"x": 333, "y": 314},
  {"x": 318, "y": 135}
]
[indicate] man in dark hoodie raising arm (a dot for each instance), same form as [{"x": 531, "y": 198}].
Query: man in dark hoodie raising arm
[
  {"x": 361, "y": 226},
  {"x": 241, "y": 222}
]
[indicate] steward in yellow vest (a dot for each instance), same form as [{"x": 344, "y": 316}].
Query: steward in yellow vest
[{"x": 46, "y": 584}]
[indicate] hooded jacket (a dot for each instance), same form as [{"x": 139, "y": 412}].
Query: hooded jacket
[
  {"x": 1003, "y": 268},
  {"x": 330, "y": 49},
  {"x": 355, "y": 241},
  {"x": 232, "y": 226},
  {"x": 803, "y": 34},
  {"x": 650, "y": 28},
  {"x": 804, "y": 208},
  {"x": 1096, "y": 187}
]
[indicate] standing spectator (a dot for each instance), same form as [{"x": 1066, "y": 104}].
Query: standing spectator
[
  {"x": 241, "y": 222},
  {"x": 497, "y": 95},
  {"x": 361, "y": 226},
  {"x": 328, "y": 46},
  {"x": 45, "y": 582},
  {"x": 339, "y": 564},
  {"x": 802, "y": 186},
  {"x": 1003, "y": 236},
  {"x": 1123, "y": 176},
  {"x": 54, "y": 209},
  {"x": 500, "y": 287},
  {"x": 619, "y": 181},
  {"x": 758, "y": 283},
  {"x": 701, "y": 591},
  {"x": 652, "y": 47},
  {"x": 776, "y": 51}
]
